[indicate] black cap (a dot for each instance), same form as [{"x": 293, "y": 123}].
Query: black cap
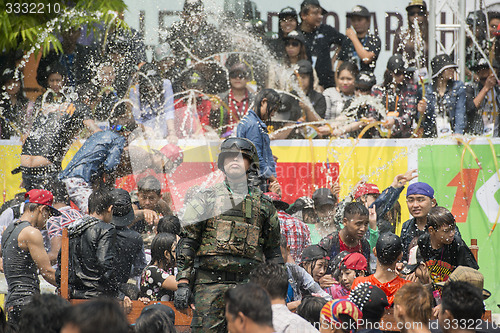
[
  {"x": 481, "y": 64},
  {"x": 417, "y": 3},
  {"x": 297, "y": 36},
  {"x": 359, "y": 11},
  {"x": 323, "y": 196},
  {"x": 365, "y": 79},
  {"x": 305, "y": 67},
  {"x": 123, "y": 213},
  {"x": 388, "y": 247},
  {"x": 314, "y": 3},
  {"x": 288, "y": 11},
  {"x": 440, "y": 63},
  {"x": 396, "y": 63},
  {"x": 478, "y": 17},
  {"x": 314, "y": 252},
  {"x": 370, "y": 299}
]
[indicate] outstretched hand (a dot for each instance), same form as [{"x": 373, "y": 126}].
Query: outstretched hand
[{"x": 401, "y": 180}]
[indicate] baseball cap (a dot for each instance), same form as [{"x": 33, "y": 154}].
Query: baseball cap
[
  {"x": 314, "y": 252},
  {"x": 331, "y": 311},
  {"x": 276, "y": 199},
  {"x": 305, "y": 67},
  {"x": 417, "y": 3},
  {"x": 470, "y": 275},
  {"x": 420, "y": 188},
  {"x": 366, "y": 189},
  {"x": 358, "y": 11},
  {"x": 355, "y": 261},
  {"x": 396, "y": 63},
  {"x": 365, "y": 79},
  {"x": 288, "y": 11},
  {"x": 41, "y": 197},
  {"x": 323, "y": 196},
  {"x": 313, "y": 3},
  {"x": 123, "y": 213},
  {"x": 296, "y": 35},
  {"x": 370, "y": 299},
  {"x": 388, "y": 247}
]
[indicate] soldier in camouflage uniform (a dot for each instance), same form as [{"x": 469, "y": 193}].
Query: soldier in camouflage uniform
[{"x": 228, "y": 229}]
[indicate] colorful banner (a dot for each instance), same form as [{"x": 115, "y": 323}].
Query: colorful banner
[{"x": 465, "y": 178}]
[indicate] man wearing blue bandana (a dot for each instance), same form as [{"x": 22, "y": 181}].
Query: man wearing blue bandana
[{"x": 420, "y": 199}]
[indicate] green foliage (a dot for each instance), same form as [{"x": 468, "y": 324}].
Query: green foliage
[{"x": 25, "y": 24}]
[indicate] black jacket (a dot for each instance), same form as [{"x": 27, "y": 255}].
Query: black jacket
[
  {"x": 92, "y": 252},
  {"x": 130, "y": 250}
]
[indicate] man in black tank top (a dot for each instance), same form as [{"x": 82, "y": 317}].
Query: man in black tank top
[{"x": 23, "y": 253}]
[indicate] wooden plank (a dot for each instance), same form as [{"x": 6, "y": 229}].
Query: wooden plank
[
  {"x": 64, "y": 291},
  {"x": 182, "y": 317}
]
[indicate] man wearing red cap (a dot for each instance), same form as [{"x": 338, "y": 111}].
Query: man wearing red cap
[{"x": 24, "y": 255}]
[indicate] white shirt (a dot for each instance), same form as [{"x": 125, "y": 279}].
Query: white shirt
[{"x": 285, "y": 321}]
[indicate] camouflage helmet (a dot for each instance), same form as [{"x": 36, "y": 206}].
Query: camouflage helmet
[{"x": 238, "y": 145}]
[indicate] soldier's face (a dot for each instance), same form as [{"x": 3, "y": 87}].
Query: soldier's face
[{"x": 235, "y": 166}]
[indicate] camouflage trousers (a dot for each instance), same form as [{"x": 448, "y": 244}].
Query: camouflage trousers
[{"x": 210, "y": 307}]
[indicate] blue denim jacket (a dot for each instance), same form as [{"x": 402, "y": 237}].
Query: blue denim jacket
[
  {"x": 254, "y": 129},
  {"x": 454, "y": 99},
  {"x": 100, "y": 152}
]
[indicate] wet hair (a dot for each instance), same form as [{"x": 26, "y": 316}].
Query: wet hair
[
  {"x": 355, "y": 208},
  {"x": 100, "y": 200},
  {"x": 154, "y": 321},
  {"x": 304, "y": 10},
  {"x": 31, "y": 206},
  {"x": 60, "y": 193},
  {"x": 350, "y": 67},
  {"x": 149, "y": 183},
  {"x": 463, "y": 300},
  {"x": 101, "y": 315},
  {"x": 251, "y": 300},
  {"x": 169, "y": 224},
  {"x": 310, "y": 308},
  {"x": 438, "y": 217},
  {"x": 273, "y": 278},
  {"x": 493, "y": 15},
  {"x": 273, "y": 100},
  {"x": 161, "y": 243},
  {"x": 44, "y": 313},
  {"x": 416, "y": 299}
]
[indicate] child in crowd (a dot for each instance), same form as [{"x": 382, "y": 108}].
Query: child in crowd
[
  {"x": 315, "y": 261},
  {"x": 441, "y": 248},
  {"x": 352, "y": 266},
  {"x": 389, "y": 251},
  {"x": 351, "y": 237},
  {"x": 413, "y": 304},
  {"x": 372, "y": 301},
  {"x": 158, "y": 278},
  {"x": 310, "y": 308}
]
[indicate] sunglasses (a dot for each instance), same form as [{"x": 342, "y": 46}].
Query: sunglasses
[
  {"x": 293, "y": 43},
  {"x": 237, "y": 76},
  {"x": 415, "y": 12}
]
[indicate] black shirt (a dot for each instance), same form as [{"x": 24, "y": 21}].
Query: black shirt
[
  {"x": 318, "y": 45},
  {"x": 371, "y": 43},
  {"x": 53, "y": 133},
  {"x": 442, "y": 262}
]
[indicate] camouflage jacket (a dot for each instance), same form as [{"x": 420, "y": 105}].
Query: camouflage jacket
[{"x": 226, "y": 231}]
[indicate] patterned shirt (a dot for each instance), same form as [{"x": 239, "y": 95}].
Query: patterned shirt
[
  {"x": 152, "y": 279},
  {"x": 297, "y": 234},
  {"x": 56, "y": 224}
]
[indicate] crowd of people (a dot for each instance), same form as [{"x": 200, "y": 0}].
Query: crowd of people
[
  {"x": 242, "y": 258},
  {"x": 202, "y": 80}
]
